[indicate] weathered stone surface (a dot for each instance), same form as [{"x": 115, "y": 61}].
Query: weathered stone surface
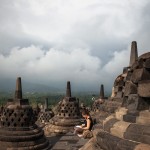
[
  {"x": 140, "y": 74},
  {"x": 124, "y": 103},
  {"x": 133, "y": 131},
  {"x": 130, "y": 88},
  {"x": 120, "y": 113},
  {"x": 145, "y": 113},
  {"x": 110, "y": 142},
  {"x": 44, "y": 117},
  {"x": 135, "y": 65},
  {"x": 119, "y": 94},
  {"x": 129, "y": 118},
  {"x": 116, "y": 89},
  {"x": 143, "y": 120},
  {"x": 121, "y": 83},
  {"x": 142, "y": 147},
  {"x": 136, "y": 132},
  {"x": 119, "y": 128},
  {"x": 134, "y": 53},
  {"x": 144, "y": 56},
  {"x": 133, "y": 100},
  {"x": 144, "y": 88},
  {"x": 147, "y": 63},
  {"x": 109, "y": 124},
  {"x": 91, "y": 145},
  {"x": 18, "y": 130},
  {"x": 99, "y": 103},
  {"x": 129, "y": 74},
  {"x": 67, "y": 117},
  {"x": 111, "y": 105}
]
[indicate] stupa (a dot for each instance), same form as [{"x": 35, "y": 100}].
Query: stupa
[
  {"x": 18, "y": 130},
  {"x": 98, "y": 102},
  {"x": 45, "y": 114},
  {"x": 67, "y": 117},
  {"x": 129, "y": 127}
]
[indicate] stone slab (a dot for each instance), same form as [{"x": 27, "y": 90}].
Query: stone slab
[
  {"x": 147, "y": 64},
  {"x": 143, "y": 120},
  {"x": 119, "y": 128},
  {"x": 140, "y": 74},
  {"x": 130, "y": 88},
  {"x": 142, "y": 147},
  {"x": 144, "y": 88}
]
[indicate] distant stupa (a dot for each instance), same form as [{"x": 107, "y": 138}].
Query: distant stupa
[
  {"x": 98, "y": 102},
  {"x": 102, "y": 91}
]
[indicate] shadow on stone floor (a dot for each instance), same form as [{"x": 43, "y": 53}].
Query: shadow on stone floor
[{"x": 67, "y": 141}]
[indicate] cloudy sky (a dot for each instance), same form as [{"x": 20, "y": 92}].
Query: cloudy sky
[{"x": 84, "y": 41}]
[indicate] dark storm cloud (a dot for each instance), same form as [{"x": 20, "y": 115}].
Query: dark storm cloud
[{"x": 86, "y": 41}]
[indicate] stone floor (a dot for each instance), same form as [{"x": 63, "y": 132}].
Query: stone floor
[{"x": 68, "y": 141}]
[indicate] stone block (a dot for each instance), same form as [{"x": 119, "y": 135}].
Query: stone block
[
  {"x": 144, "y": 88},
  {"x": 109, "y": 124},
  {"x": 145, "y": 113},
  {"x": 135, "y": 65},
  {"x": 145, "y": 56},
  {"x": 124, "y": 101},
  {"x": 129, "y": 118},
  {"x": 137, "y": 137},
  {"x": 147, "y": 64},
  {"x": 116, "y": 89},
  {"x": 120, "y": 113},
  {"x": 139, "y": 133},
  {"x": 128, "y": 77},
  {"x": 110, "y": 142},
  {"x": 142, "y": 147},
  {"x": 143, "y": 120},
  {"x": 140, "y": 74},
  {"x": 121, "y": 83},
  {"x": 119, "y": 94},
  {"x": 132, "y": 102},
  {"x": 119, "y": 128},
  {"x": 135, "y": 102},
  {"x": 130, "y": 88}
]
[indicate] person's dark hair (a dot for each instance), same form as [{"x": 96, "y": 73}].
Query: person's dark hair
[{"x": 85, "y": 112}]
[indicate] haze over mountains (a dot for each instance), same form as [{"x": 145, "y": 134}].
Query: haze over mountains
[
  {"x": 88, "y": 43},
  {"x": 8, "y": 85}
]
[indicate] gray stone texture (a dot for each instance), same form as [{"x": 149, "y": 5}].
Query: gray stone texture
[
  {"x": 18, "y": 130},
  {"x": 68, "y": 115},
  {"x": 130, "y": 88},
  {"x": 144, "y": 88},
  {"x": 134, "y": 53},
  {"x": 139, "y": 75}
]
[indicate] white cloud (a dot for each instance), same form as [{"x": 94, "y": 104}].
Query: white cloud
[
  {"x": 35, "y": 65},
  {"x": 85, "y": 41}
]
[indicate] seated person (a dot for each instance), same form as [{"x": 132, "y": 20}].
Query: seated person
[{"x": 80, "y": 130}]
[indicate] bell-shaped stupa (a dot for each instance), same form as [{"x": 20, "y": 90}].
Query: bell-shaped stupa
[
  {"x": 18, "y": 130},
  {"x": 68, "y": 115}
]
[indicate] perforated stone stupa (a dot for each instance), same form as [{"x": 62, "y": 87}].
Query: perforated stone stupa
[
  {"x": 45, "y": 114},
  {"x": 68, "y": 115},
  {"x": 98, "y": 102},
  {"x": 18, "y": 130},
  {"x": 129, "y": 127}
]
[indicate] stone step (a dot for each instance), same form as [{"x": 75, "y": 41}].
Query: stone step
[
  {"x": 108, "y": 141},
  {"x": 130, "y": 131},
  {"x": 145, "y": 113},
  {"x": 67, "y": 141}
]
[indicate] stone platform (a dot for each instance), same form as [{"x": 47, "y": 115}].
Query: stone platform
[{"x": 67, "y": 141}]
